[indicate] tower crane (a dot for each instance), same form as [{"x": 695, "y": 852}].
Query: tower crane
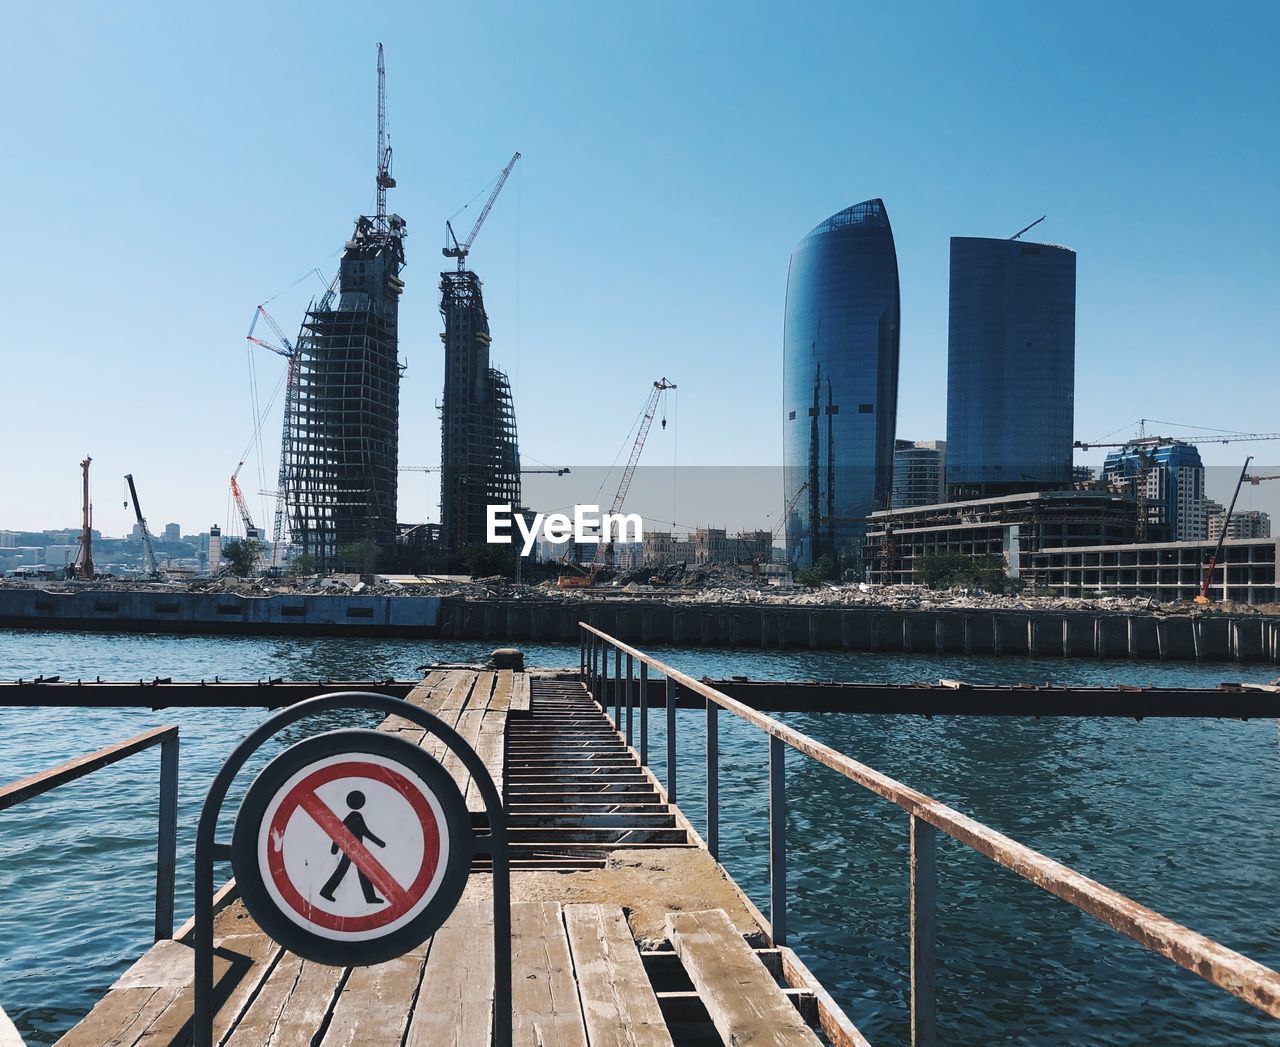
[
  {"x": 384, "y": 179},
  {"x": 454, "y": 249},
  {"x": 604, "y": 550},
  {"x": 148, "y": 550},
  {"x": 282, "y": 346}
]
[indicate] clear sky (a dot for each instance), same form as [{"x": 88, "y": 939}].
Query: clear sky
[{"x": 165, "y": 168}]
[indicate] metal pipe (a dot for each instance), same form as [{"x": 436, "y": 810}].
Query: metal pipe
[{"x": 777, "y": 842}]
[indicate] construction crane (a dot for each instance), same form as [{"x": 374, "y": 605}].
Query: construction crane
[
  {"x": 385, "y": 181},
  {"x": 83, "y": 567},
  {"x": 604, "y": 550},
  {"x": 1028, "y": 228},
  {"x": 149, "y": 566},
  {"x": 282, "y": 346},
  {"x": 1142, "y": 447},
  {"x": 1203, "y": 598},
  {"x": 454, "y": 249},
  {"x": 251, "y": 533}
]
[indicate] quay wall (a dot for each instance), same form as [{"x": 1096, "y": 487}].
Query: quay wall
[{"x": 1208, "y": 636}]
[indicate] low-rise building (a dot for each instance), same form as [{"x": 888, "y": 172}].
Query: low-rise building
[
  {"x": 1163, "y": 571},
  {"x": 1013, "y": 527},
  {"x": 1245, "y": 523}
]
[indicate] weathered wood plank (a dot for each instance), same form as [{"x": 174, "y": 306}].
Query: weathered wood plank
[
  {"x": 501, "y": 700},
  {"x": 373, "y": 1006},
  {"x": 455, "y": 1003},
  {"x": 618, "y": 1003},
  {"x": 481, "y": 691},
  {"x": 290, "y": 1007},
  {"x": 491, "y": 748},
  {"x": 419, "y": 696},
  {"x": 745, "y": 1003},
  {"x": 454, "y": 693},
  {"x": 520, "y": 693},
  {"x": 544, "y": 995},
  {"x": 469, "y": 724}
]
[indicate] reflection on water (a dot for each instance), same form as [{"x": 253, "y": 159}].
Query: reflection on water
[{"x": 1182, "y": 815}]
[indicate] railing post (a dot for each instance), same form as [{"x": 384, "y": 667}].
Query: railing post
[
  {"x": 671, "y": 740},
  {"x": 924, "y": 905},
  {"x": 631, "y": 683},
  {"x": 713, "y": 779},
  {"x": 617, "y": 688},
  {"x": 582, "y": 656},
  {"x": 167, "y": 837},
  {"x": 777, "y": 841},
  {"x": 603, "y": 697},
  {"x": 644, "y": 714}
]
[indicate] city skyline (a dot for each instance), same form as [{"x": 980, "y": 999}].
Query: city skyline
[{"x": 241, "y": 192}]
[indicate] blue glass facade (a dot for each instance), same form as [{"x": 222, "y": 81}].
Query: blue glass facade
[
  {"x": 839, "y": 380},
  {"x": 1169, "y": 480},
  {"x": 1011, "y": 352}
]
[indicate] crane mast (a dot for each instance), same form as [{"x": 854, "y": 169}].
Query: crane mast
[
  {"x": 148, "y": 550},
  {"x": 84, "y": 560},
  {"x": 385, "y": 181}
]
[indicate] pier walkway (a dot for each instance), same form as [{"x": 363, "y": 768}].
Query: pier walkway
[{"x": 625, "y": 931}]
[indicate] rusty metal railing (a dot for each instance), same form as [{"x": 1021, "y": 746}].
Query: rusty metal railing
[
  {"x": 1253, "y": 982},
  {"x": 167, "y": 835}
]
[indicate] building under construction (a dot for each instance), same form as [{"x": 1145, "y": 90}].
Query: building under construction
[
  {"x": 479, "y": 452},
  {"x": 343, "y": 410}
]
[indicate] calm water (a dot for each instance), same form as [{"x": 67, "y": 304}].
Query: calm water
[{"x": 1182, "y": 815}]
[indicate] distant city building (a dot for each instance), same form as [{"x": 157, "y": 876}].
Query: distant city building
[
  {"x": 172, "y": 532},
  {"x": 708, "y": 545},
  {"x": 1246, "y": 523},
  {"x": 136, "y": 532},
  {"x": 919, "y": 472},
  {"x": 1011, "y": 348},
  {"x": 840, "y": 380},
  {"x": 1172, "y": 480},
  {"x": 1082, "y": 475}
]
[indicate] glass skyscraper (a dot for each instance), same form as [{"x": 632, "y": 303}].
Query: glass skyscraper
[
  {"x": 839, "y": 381},
  {"x": 1011, "y": 353}
]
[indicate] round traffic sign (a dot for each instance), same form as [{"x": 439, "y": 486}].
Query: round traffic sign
[{"x": 352, "y": 847}]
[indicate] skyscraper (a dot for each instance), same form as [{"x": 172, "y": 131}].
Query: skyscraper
[
  {"x": 839, "y": 380},
  {"x": 1168, "y": 481},
  {"x": 1011, "y": 351},
  {"x": 919, "y": 473}
]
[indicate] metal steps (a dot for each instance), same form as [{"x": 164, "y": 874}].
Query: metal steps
[{"x": 574, "y": 790}]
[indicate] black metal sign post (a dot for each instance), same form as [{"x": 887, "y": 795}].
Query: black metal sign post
[{"x": 351, "y": 847}]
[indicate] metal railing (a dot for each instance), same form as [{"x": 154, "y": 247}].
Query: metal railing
[
  {"x": 167, "y": 835},
  {"x": 1251, "y": 981}
]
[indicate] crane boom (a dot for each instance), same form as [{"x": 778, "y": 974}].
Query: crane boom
[
  {"x": 461, "y": 250},
  {"x": 148, "y": 550},
  {"x": 384, "y": 179}
]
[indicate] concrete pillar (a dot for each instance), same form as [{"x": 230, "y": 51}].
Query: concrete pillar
[
  {"x": 875, "y": 632},
  {"x": 846, "y": 630},
  {"x": 1128, "y": 624},
  {"x": 968, "y": 635},
  {"x": 813, "y": 630},
  {"x": 1066, "y": 637},
  {"x": 997, "y": 644},
  {"x": 1162, "y": 638},
  {"x": 906, "y": 632},
  {"x": 939, "y": 634},
  {"x": 1197, "y": 635},
  {"x": 1032, "y": 648},
  {"x": 1099, "y": 639}
]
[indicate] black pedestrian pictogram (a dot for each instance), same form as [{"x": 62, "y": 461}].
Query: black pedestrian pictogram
[{"x": 354, "y": 822}]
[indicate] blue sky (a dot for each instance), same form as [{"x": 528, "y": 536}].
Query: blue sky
[{"x": 167, "y": 167}]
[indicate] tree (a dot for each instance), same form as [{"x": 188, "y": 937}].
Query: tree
[
  {"x": 302, "y": 564},
  {"x": 485, "y": 561},
  {"x": 956, "y": 570},
  {"x": 362, "y": 555},
  {"x": 825, "y": 569},
  {"x": 243, "y": 556}
]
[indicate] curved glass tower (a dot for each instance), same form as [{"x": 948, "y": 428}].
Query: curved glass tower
[
  {"x": 839, "y": 381},
  {"x": 1011, "y": 358}
]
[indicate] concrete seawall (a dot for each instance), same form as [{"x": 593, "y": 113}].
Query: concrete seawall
[{"x": 1074, "y": 634}]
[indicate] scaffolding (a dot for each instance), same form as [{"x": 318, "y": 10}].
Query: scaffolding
[
  {"x": 480, "y": 455},
  {"x": 343, "y": 417}
]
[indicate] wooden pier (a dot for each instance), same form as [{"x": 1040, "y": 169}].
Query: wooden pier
[
  {"x": 625, "y": 931},
  {"x": 624, "y": 928}
]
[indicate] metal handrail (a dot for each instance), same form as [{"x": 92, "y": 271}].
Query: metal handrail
[
  {"x": 1253, "y": 982},
  {"x": 167, "y": 835}
]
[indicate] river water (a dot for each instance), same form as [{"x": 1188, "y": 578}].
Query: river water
[{"x": 1183, "y": 816}]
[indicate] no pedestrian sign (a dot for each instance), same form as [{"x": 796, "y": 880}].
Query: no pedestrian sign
[{"x": 352, "y": 847}]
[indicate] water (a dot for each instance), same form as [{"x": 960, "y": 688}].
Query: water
[{"x": 1181, "y": 815}]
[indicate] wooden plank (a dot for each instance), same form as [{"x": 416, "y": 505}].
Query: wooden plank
[
  {"x": 482, "y": 691},
  {"x": 373, "y": 1006},
  {"x": 544, "y": 995},
  {"x": 835, "y": 1023},
  {"x": 9, "y": 1035},
  {"x": 469, "y": 724},
  {"x": 520, "y": 692},
  {"x": 745, "y": 1003},
  {"x": 501, "y": 700},
  {"x": 419, "y": 696},
  {"x": 454, "y": 694},
  {"x": 618, "y": 1003},
  {"x": 454, "y": 1007},
  {"x": 491, "y": 748},
  {"x": 291, "y": 1005}
]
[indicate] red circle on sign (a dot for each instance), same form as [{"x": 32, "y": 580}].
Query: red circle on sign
[{"x": 399, "y": 901}]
